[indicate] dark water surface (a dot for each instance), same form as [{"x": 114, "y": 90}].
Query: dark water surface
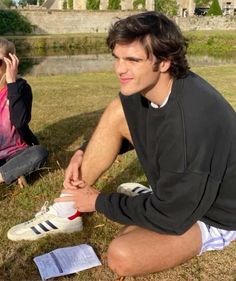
[{"x": 72, "y": 64}]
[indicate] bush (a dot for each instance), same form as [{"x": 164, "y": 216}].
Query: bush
[
  {"x": 114, "y": 5},
  {"x": 70, "y": 4},
  {"x": 64, "y": 5},
  {"x": 13, "y": 23},
  {"x": 215, "y": 9},
  {"x": 138, "y": 3},
  {"x": 92, "y": 4},
  {"x": 168, "y": 8}
]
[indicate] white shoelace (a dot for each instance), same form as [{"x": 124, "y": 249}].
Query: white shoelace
[{"x": 42, "y": 211}]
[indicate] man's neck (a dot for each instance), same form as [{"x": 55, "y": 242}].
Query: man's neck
[{"x": 159, "y": 93}]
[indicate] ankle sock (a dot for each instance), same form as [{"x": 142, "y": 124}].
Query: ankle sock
[{"x": 66, "y": 209}]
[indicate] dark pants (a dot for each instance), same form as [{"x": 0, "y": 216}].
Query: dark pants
[{"x": 23, "y": 163}]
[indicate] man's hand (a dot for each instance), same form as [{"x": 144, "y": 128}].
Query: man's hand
[
  {"x": 84, "y": 197},
  {"x": 72, "y": 173},
  {"x": 11, "y": 68}
]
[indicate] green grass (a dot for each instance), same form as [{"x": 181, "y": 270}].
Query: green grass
[
  {"x": 65, "y": 111},
  {"x": 214, "y": 43}
]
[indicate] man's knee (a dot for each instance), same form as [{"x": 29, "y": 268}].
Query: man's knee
[{"x": 119, "y": 258}]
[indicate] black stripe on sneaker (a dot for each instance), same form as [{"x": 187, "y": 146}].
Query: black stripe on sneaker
[
  {"x": 51, "y": 225},
  {"x": 43, "y": 227},
  {"x": 35, "y": 230},
  {"x": 135, "y": 189},
  {"x": 144, "y": 191}
]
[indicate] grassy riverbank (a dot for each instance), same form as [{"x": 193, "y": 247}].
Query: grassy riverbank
[
  {"x": 213, "y": 43},
  {"x": 65, "y": 111}
]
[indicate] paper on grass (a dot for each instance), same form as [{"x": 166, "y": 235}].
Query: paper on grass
[{"x": 66, "y": 261}]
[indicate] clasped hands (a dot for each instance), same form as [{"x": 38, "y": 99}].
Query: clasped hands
[{"x": 84, "y": 197}]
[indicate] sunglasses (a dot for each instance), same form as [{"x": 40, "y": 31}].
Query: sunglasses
[{"x": 1, "y": 62}]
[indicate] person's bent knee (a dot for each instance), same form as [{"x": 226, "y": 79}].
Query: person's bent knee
[
  {"x": 119, "y": 258},
  {"x": 40, "y": 154}
]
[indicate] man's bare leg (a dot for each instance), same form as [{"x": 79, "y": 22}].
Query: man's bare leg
[
  {"x": 138, "y": 251},
  {"x": 105, "y": 142}
]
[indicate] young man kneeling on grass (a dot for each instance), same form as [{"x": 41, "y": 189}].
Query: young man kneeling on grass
[{"x": 184, "y": 134}]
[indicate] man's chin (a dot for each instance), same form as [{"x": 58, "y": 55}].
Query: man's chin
[{"x": 127, "y": 93}]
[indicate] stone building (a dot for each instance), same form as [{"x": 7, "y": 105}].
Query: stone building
[
  {"x": 228, "y": 7},
  {"x": 186, "y": 7}
]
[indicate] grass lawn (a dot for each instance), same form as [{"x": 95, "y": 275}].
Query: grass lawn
[{"x": 65, "y": 111}]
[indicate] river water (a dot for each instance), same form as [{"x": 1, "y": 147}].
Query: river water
[{"x": 73, "y": 64}]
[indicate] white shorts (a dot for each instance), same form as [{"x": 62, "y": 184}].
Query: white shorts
[{"x": 214, "y": 238}]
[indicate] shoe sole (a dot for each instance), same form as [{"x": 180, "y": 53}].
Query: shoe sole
[{"x": 39, "y": 236}]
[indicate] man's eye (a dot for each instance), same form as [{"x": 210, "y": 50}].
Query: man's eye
[{"x": 135, "y": 60}]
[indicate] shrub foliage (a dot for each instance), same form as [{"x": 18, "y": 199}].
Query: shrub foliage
[
  {"x": 114, "y": 5},
  {"x": 167, "y": 7},
  {"x": 13, "y": 23},
  {"x": 92, "y": 4},
  {"x": 215, "y": 9}
]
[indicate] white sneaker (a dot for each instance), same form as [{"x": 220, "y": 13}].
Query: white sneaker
[
  {"x": 45, "y": 222},
  {"x": 133, "y": 189}
]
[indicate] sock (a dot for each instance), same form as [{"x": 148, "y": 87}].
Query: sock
[{"x": 66, "y": 209}]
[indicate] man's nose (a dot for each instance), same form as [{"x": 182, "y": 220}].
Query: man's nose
[{"x": 121, "y": 66}]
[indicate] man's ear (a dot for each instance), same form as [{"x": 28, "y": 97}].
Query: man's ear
[{"x": 164, "y": 65}]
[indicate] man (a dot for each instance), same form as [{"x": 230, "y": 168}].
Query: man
[{"x": 184, "y": 134}]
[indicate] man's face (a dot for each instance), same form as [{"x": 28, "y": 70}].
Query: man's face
[{"x": 134, "y": 70}]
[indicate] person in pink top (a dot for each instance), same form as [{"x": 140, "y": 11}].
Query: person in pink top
[{"x": 20, "y": 152}]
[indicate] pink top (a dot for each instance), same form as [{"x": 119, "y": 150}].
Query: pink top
[{"x": 10, "y": 140}]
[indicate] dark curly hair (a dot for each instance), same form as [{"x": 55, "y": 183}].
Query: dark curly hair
[{"x": 159, "y": 36}]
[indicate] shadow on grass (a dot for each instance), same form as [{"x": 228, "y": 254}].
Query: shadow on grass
[{"x": 59, "y": 136}]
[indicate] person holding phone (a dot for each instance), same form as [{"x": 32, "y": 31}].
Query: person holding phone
[{"x": 20, "y": 152}]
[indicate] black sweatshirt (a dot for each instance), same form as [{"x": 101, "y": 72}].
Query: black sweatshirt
[
  {"x": 20, "y": 104},
  {"x": 188, "y": 152}
]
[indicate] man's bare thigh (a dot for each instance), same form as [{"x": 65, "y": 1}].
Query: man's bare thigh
[{"x": 146, "y": 251}]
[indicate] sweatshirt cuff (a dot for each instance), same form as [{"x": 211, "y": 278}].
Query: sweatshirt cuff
[
  {"x": 100, "y": 202},
  {"x": 12, "y": 88}
]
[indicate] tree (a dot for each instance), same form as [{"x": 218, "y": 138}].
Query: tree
[
  {"x": 32, "y": 2},
  {"x": 8, "y": 3},
  {"x": 70, "y": 4},
  {"x": 169, "y": 8},
  {"x": 40, "y": 2},
  {"x": 92, "y": 4},
  {"x": 13, "y": 23},
  {"x": 202, "y": 3},
  {"x": 138, "y": 3},
  {"x": 64, "y": 5},
  {"x": 114, "y": 4},
  {"x": 22, "y": 3},
  {"x": 215, "y": 9}
]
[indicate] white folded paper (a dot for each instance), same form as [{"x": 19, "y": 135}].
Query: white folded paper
[{"x": 64, "y": 261}]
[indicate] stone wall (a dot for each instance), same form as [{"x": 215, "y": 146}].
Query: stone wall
[
  {"x": 58, "y": 22},
  {"x": 207, "y": 23}
]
